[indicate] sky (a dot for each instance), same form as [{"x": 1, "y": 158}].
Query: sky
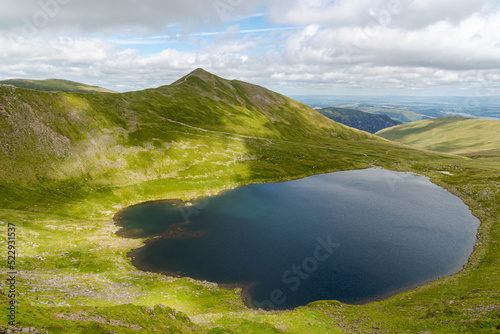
[{"x": 294, "y": 47}]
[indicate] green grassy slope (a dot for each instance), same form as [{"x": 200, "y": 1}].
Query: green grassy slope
[
  {"x": 119, "y": 139},
  {"x": 69, "y": 161},
  {"x": 56, "y": 85},
  {"x": 457, "y": 135}
]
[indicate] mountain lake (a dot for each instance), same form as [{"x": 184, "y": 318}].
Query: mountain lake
[{"x": 351, "y": 236}]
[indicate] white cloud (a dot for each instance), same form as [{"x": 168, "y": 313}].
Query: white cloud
[
  {"x": 405, "y": 14},
  {"x": 31, "y": 17},
  {"x": 371, "y": 45}
]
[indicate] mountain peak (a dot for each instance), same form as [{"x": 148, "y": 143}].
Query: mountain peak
[
  {"x": 198, "y": 73},
  {"x": 202, "y": 74}
]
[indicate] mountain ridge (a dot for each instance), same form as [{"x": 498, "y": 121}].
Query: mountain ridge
[
  {"x": 65, "y": 128},
  {"x": 55, "y": 85}
]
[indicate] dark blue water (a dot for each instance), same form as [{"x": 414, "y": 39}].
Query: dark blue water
[{"x": 348, "y": 236}]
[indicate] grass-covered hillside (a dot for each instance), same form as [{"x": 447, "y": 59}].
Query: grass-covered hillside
[
  {"x": 121, "y": 139},
  {"x": 56, "y": 85},
  {"x": 70, "y": 161},
  {"x": 359, "y": 119},
  {"x": 457, "y": 135}
]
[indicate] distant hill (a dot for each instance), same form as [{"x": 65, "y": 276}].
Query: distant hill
[
  {"x": 456, "y": 135},
  {"x": 358, "y": 119},
  {"x": 55, "y": 85},
  {"x": 401, "y": 115}
]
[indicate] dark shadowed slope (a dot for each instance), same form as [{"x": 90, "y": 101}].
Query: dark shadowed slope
[{"x": 359, "y": 119}]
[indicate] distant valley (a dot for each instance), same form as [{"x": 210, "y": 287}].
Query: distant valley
[
  {"x": 358, "y": 119},
  {"x": 407, "y": 109}
]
